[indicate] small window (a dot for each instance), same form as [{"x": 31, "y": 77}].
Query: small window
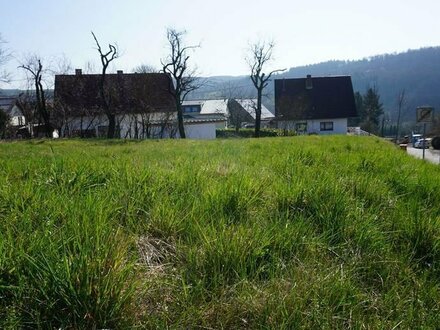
[
  {"x": 326, "y": 126},
  {"x": 301, "y": 127},
  {"x": 191, "y": 108}
]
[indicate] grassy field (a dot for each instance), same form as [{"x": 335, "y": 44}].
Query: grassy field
[{"x": 296, "y": 232}]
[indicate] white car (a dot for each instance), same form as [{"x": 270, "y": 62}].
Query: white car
[{"x": 419, "y": 143}]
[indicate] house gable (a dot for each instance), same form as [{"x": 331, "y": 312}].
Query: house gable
[
  {"x": 128, "y": 93},
  {"x": 314, "y": 98}
]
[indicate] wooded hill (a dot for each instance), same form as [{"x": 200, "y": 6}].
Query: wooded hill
[{"x": 417, "y": 71}]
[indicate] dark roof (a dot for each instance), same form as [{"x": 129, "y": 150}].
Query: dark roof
[
  {"x": 7, "y": 102},
  {"x": 328, "y": 97},
  {"x": 130, "y": 92}
]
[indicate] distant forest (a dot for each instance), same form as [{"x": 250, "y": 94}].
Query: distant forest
[{"x": 416, "y": 71}]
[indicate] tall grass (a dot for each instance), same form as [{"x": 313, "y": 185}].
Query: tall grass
[{"x": 295, "y": 232}]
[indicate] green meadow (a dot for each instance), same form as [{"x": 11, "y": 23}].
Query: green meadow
[{"x": 272, "y": 233}]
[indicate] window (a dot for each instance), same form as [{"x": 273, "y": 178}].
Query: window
[
  {"x": 301, "y": 127},
  {"x": 326, "y": 126},
  {"x": 191, "y": 108}
]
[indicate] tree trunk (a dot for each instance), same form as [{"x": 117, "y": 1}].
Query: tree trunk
[
  {"x": 111, "y": 125},
  {"x": 180, "y": 119},
  {"x": 258, "y": 113},
  {"x": 41, "y": 105},
  {"x": 45, "y": 113}
]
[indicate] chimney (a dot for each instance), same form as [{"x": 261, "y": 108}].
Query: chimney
[
  {"x": 78, "y": 72},
  {"x": 309, "y": 84},
  {"x": 119, "y": 72}
]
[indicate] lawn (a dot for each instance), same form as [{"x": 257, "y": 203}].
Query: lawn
[{"x": 293, "y": 232}]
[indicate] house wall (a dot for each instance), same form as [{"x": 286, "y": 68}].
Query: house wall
[
  {"x": 127, "y": 129},
  {"x": 17, "y": 121},
  {"x": 313, "y": 126},
  {"x": 16, "y": 116},
  {"x": 149, "y": 125},
  {"x": 78, "y": 124},
  {"x": 200, "y": 131},
  {"x": 131, "y": 126}
]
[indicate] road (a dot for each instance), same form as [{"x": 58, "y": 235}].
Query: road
[{"x": 431, "y": 155}]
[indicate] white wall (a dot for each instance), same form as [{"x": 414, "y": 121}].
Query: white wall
[
  {"x": 155, "y": 125},
  {"x": 339, "y": 126},
  {"x": 193, "y": 130},
  {"x": 17, "y": 121},
  {"x": 78, "y": 123},
  {"x": 313, "y": 126},
  {"x": 126, "y": 124},
  {"x": 17, "y": 118},
  {"x": 200, "y": 131}
]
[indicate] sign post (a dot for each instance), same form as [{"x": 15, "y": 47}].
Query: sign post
[{"x": 425, "y": 114}]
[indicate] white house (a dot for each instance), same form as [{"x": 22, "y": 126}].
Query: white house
[
  {"x": 233, "y": 112},
  {"x": 142, "y": 104},
  {"x": 315, "y": 105},
  {"x": 9, "y": 106}
]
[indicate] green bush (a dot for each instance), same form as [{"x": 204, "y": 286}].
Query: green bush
[{"x": 249, "y": 132}]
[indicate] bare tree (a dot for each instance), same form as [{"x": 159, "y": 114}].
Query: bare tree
[
  {"x": 89, "y": 67},
  {"x": 401, "y": 103},
  {"x": 5, "y": 55},
  {"x": 63, "y": 65},
  {"x": 184, "y": 78},
  {"x": 106, "y": 59},
  {"x": 5, "y": 120},
  {"x": 33, "y": 66},
  {"x": 145, "y": 68},
  {"x": 260, "y": 54}
]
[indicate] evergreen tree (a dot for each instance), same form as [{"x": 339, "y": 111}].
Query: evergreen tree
[{"x": 372, "y": 109}]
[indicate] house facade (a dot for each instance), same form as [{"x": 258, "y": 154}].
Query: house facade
[
  {"x": 227, "y": 112},
  {"x": 10, "y": 107},
  {"x": 18, "y": 127},
  {"x": 314, "y": 105},
  {"x": 142, "y": 104}
]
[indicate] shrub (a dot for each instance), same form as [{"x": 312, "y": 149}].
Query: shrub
[{"x": 249, "y": 132}]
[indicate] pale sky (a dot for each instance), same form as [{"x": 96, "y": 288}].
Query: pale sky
[{"x": 305, "y": 32}]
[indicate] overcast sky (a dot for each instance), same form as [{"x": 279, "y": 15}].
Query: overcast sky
[{"x": 305, "y": 32}]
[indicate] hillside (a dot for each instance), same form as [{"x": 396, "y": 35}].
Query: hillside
[
  {"x": 418, "y": 71},
  {"x": 286, "y": 233}
]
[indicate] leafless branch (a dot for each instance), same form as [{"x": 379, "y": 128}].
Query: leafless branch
[
  {"x": 145, "y": 68},
  {"x": 260, "y": 54},
  {"x": 177, "y": 66},
  {"x": 106, "y": 59},
  {"x": 401, "y": 103},
  {"x": 5, "y": 56},
  {"x": 34, "y": 67}
]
